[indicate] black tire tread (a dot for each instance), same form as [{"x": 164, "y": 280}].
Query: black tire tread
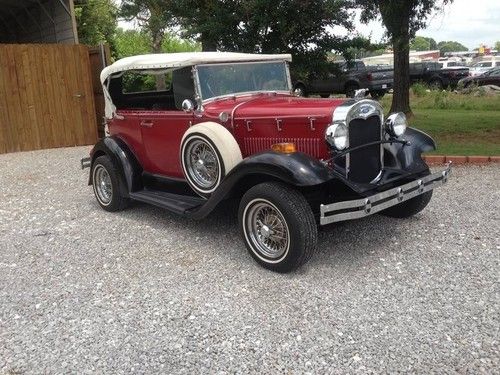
[
  {"x": 118, "y": 202},
  {"x": 293, "y": 203}
]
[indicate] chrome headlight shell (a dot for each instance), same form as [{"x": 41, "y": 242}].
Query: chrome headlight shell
[
  {"x": 337, "y": 136},
  {"x": 396, "y": 124}
]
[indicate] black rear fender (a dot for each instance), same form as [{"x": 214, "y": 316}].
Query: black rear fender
[{"x": 122, "y": 158}]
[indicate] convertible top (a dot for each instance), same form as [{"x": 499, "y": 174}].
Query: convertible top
[
  {"x": 182, "y": 59},
  {"x": 174, "y": 61}
]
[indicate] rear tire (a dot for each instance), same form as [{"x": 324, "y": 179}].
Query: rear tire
[
  {"x": 278, "y": 226},
  {"x": 410, "y": 207},
  {"x": 106, "y": 184},
  {"x": 377, "y": 94},
  {"x": 436, "y": 84},
  {"x": 350, "y": 90}
]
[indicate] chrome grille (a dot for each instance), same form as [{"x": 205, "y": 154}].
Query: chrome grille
[{"x": 365, "y": 163}]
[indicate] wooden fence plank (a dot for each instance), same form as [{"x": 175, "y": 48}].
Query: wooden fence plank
[{"x": 46, "y": 97}]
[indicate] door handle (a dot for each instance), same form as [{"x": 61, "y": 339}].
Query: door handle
[{"x": 147, "y": 123}]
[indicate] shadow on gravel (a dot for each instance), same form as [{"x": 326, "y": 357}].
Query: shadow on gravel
[{"x": 344, "y": 242}]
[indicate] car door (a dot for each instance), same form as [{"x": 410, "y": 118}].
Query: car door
[{"x": 162, "y": 133}]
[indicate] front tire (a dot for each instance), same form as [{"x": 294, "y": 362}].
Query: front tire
[
  {"x": 278, "y": 226},
  {"x": 107, "y": 186},
  {"x": 410, "y": 207}
]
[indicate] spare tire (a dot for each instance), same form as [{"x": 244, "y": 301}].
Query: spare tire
[{"x": 208, "y": 152}]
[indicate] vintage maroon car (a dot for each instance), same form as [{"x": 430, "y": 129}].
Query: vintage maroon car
[{"x": 218, "y": 126}]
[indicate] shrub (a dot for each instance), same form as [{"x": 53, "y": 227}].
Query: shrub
[
  {"x": 419, "y": 89},
  {"x": 442, "y": 99}
]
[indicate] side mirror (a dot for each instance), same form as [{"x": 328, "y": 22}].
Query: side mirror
[{"x": 187, "y": 106}]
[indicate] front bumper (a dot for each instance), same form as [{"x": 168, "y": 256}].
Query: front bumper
[{"x": 355, "y": 209}]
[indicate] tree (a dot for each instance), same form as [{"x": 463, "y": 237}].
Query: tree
[
  {"x": 96, "y": 21},
  {"x": 451, "y": 46},
  {"x": 421, "y": 43},
  {"x": 302, "y": 28},
  {"x": 497, "y": 45},
  {"x": 153, "y": 16},
  {"x": 402, "y": 19}
]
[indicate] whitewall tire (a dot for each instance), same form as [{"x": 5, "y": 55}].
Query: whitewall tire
[{"x": 208, "y": 152}]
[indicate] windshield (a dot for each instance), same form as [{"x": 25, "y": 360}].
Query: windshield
[
  {"x": 226, "y": 79},
  {"x": 487, "y": 64}
]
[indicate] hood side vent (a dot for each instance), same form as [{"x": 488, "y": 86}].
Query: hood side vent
[{"x": 310, "y": 146}]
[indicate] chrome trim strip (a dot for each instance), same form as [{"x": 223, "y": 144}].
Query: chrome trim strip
[{"x": 359, "y": 208}]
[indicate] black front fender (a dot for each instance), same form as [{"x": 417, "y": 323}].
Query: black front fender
[
  {"x": 297, "y": 169},
  {"x": 408, "y": 157}
]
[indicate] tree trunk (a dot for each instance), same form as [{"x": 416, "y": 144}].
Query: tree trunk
[
  {"x": 157, "y": 37},
  {"x": 207, "y": 44},
  {"x": 401, "y": 48}
]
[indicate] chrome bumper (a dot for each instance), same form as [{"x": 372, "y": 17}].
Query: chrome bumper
[
  {"x": 349, "y": 210},
  {"x": 85, "y": 163}
]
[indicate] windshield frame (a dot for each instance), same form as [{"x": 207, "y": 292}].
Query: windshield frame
[{"x": 197, "y": 83}]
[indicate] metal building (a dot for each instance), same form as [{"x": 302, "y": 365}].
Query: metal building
[{"x": 37, "y": 21}]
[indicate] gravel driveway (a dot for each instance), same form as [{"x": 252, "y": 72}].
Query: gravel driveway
[{"x": 83, "y": 290}]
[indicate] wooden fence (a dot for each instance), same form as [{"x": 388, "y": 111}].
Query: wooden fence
[
  {"x": 100, "y": 57},
  {"x": 46, "y": 97}
]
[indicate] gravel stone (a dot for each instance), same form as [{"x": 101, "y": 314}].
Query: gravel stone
[{"x": 145, "y": 291}]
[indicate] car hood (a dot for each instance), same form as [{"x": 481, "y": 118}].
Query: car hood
[{"x": 272, "y": 106}]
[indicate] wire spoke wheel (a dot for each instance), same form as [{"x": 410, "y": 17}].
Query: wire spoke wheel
[
  {"x": 267, "y": 229},
  {"x": 103, "y": 186},
  {"x": 202, "y": 164}
]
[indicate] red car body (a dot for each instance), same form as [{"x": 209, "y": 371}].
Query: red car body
[{"x": 256, "y": 122}]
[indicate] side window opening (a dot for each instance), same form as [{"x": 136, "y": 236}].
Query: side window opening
[{"x": 160, "y": 90}]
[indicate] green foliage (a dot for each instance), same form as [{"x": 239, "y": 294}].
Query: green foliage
[
  {"x": 419, "y": 89},
  {"x": 153, "y": 16},
  {"x": 497, "y": 45},
  {"x": 135, "y": 42},
  {"x": 421, "y": 43},
  {"x": 96, "y": 21},
  {"x": 131, "y": 42},
  {"x": 302, "y": 28},
  {"x": 451, "y": 46}
]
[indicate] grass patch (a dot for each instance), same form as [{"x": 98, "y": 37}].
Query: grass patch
[{"x": 460, "y": 124}]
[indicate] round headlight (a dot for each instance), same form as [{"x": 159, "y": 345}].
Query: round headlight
[
  {"x": 396, "y": 124},
  {"x": 336, "y": 135}
]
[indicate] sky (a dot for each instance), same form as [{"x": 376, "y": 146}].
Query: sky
[{"x": 471, "y": 23}]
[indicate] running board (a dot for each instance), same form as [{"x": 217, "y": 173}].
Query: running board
[{"x": 172, "y": 202}]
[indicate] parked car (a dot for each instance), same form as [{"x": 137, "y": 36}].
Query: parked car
[
  {"x": 432, "y": 74},
  {"x": 450, "y": 64},
  {"x": 229, "y": 127},
  {"x": 346, "y": 78},
  {"x": 490, "y": 77},
  {"x": 483, "y": 66}
]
